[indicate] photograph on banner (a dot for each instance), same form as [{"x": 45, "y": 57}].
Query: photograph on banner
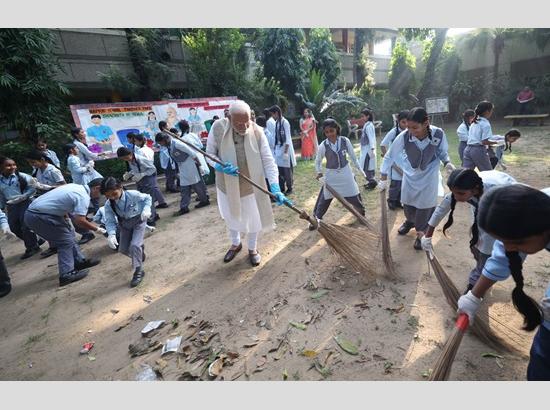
[{"x": 108, "y": 125}]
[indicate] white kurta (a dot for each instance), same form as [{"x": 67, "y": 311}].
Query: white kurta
[
  {"x": 387, "y": 141},
  {"x": 370, "y": 133},
  {"x": 419, "y": 188},
  {"x": 342, "y": 179}
]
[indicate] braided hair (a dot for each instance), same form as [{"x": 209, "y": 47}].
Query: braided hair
[
  {"x": 516, "y": 212},
  {"x": 278, "y": 124},
  {"x": 482, "y": 108},
  {"x": 463, "y": 178},
  {"x": 511, "y": 133}
]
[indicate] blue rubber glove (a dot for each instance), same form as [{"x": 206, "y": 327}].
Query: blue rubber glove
[
  {"x": 227, "y": 168},
  {"x": 280, "y": 198}
]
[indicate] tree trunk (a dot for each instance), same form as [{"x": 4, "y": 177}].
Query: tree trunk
[
  {"x": 429, "y": 76},
  {"x": 358, "y": 71},
  {"x": 145, "y": 93}
]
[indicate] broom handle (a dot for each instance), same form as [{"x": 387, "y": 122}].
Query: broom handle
[
  {"x": 462, "y": 322},
  {"x": 303, "y": 214}
]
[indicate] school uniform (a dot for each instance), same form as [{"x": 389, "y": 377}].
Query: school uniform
[
  {"x": 12, "y": 187},
  {"x": 4, "y": 276},
  {"x": 48, "y": 217},
  {"x": 462, "y": 131},
  {"x": 475, "y": 153},
  {"x": 50, "y": 176},
  {"x": 146, "y": 169},
  {"x": 285, "y": 163},
  {"x": 395, "y": 175},
  {"x": 150, "y": 155},
  {"x": 484, "y": 245},
  {"x": 497, "y": 268},
  {"x": 84, "y": 154},
  {"x": 368, "y": 156},
  {"x": 189, "y": 174},
  {"x": 419, "y": 160},
  {"x": 53, "y": 157},
  {"x": 338, "y": 174},
  {"x": 170, "y": 169},
  {"x": 76, "y": 168},
  {"x": 125, "y": 213}
]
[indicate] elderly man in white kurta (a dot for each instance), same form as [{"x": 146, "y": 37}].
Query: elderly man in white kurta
[{"x": 243, "y": 148}]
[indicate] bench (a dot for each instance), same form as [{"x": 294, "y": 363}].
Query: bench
[{"x": 539, "y": 117}]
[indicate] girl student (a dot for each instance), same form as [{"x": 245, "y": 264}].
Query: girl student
[
  {"x": 479, "y": 135},
  {"x": 503, "y": 144},
  {"x": 336, "y": 149},
  {"x": 463, "y": 131},
  {"x": 518, "y": 216},
  {"x": 284, "y": 150},
  {"x": 396, "y": 173},
  {"x": 16, "y": 190},
  {"x": 467, "y": 185},
  {"x": 129, "y": 210},
  {"x": 418, "y": 152},
  {"x": 5, "y": 281},
  {"x": 368, "y": 148}
]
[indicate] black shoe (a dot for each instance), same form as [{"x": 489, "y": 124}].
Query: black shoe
[
  {"x": 72, "y": 276},
  {"x": 254, "y": 258},
  {"x": 41, "y": 241},
  {"x": 197, "y": 199},
  {"x": 86, "y": 263},
  {"x": 48, "y": 252},
  {"x": 5, "y": 288},
  {"x": 289, "y": 192},
  {"x": 311, "y": 227},
  {"x": 157, "y": 217},
  {"x": 371, "y": 185},
  {"x": 468, "y": 288},
  {"x": 181, "y": 212},
  {"x": 231, "y": 253},
  {"x": 143, "y": 253},
  {"x": 202, "y": 204},
  {"x": 391, "y": 205},
  {"x": 30, "y": 252},
  {"x": 137, "y": 278},
  {"x": 398, "y": 204},
  {"x": 150, "y": 223},
  {"x": 162, "y": 206},
  {"x": 417, "y": 244},
  {"x": 87, "y": 237},
  {"x": 405, "y": 228}
]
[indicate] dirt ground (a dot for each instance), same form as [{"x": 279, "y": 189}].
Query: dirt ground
[{"x": 243, "y": 314}]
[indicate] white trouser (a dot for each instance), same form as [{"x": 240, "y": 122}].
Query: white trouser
[{"x": 235, "y": 237}]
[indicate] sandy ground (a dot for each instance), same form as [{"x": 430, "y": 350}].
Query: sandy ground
[{"x": 243, "y": 314}]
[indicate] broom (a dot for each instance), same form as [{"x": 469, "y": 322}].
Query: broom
[
  {"x": 349, "y": 245},
  {"x": 444, "y": 363},
  {"x": 480, "y": 328},
  {"x": 386, "y": 249}
]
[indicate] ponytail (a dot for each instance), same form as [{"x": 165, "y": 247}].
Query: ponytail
[
  {"x": 524, "y": 304},
  {"x": 481, "y": 109},
  {"x": 450, "y": 220}
]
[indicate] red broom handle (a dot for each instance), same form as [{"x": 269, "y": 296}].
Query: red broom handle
[{"x": 462, "y": 322}]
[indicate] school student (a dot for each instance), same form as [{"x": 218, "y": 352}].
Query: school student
[
  {"x": 479, "y": 138},
  {"x": 467, "y": 185},
  {"x": 284, "y": 150},
  {"x": 418, "y": 152},
  {"x": 16, "y": 190},
  {"x": 48, "y": 216},
  {"x": 463, "y": 131},
  {"x": 503, "y": 144},
  {"x": 5, "y": 282},
  {"x": 368, "y": 148},
  {"x": 336, "y": 149},
  {"x": 129, "y": 210},
  {"x": 189, "y": 172},
  {"x": 42, "y": 146},
  {"x": 518, "y": 216},
  {"x": 170, "y": 170},
  {"x": 396, "y": 173},
  {"x": 143, "y": 149}
]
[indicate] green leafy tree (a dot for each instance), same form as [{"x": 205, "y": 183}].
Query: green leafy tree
[
  {"x": 284, "y": 56},
  {"x": 402, "y": 66},
  {"x": 324, "y": 57},
  {"x": 31, "y": 96},
  {"x": 362, "y": 37}
]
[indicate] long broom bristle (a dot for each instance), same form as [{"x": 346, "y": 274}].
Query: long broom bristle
[
  {"x": 357, "y": 247},
  {"x": 480, "y": 327},
  {"x": 386, "y": 249},
  {"x": 442, "y": 368}
]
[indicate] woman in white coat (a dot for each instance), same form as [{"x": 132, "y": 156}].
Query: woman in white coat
[{"x": 284, "y": 150}]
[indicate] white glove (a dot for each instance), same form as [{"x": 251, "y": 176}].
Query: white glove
[
  {"x": 111, "y": 240},
  {"x": 203, "y": 171},
  {"x": 382, "y": 185},
  {"x": 150, "y": 228},
  {"x": 100, "y": 230},
  {"x": 449, "y": 167},
  {"x": 138, "y": 177},
  {"x": 16, "y": 199},
  {"x": 469, "y": 304},
  {"x": 146, "y": 214},
  {"x": 7, "y": 232},
  {"x": 364, "y": 174},
  {"x": 90, "y": 165},
  {"x": 127, "y": 175},
  {"x": 427, "y": 245},
  {"x": 38, "y": 185}
]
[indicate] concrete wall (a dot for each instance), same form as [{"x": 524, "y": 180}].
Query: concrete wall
[{"x": 380, "y": 74}]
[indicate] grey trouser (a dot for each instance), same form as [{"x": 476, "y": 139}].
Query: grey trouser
[
  {"x": 285, "y": 178},
  {"x": 476, "y": 156},
  {"x": 418, "y": 217},
  {"x": 147, "y": 185},
  {"x": 16, "y": 216},
  {"x": 480, "y": 258},
  {"x": 394, "y": 193},
  {"x": 322, "y": 204},
  {"x": 369, "y": 174},
  {"x": 60, "y": 234},
  {"x": 171, "y": 181},
  {"x": 461, "y": 148},
  {"x": 199, "y": 188},
  {"x": 131, "y": 239}
]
